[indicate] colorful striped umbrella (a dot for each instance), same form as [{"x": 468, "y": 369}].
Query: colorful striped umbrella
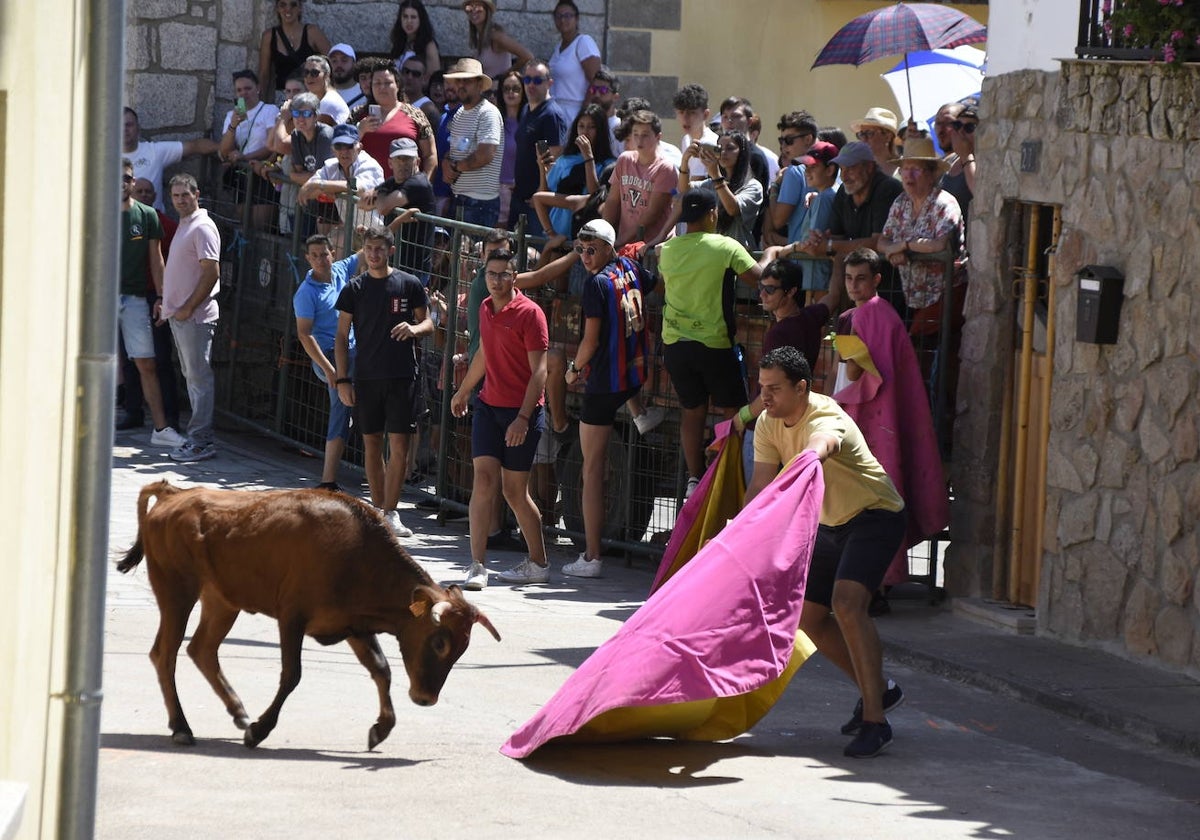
[{"x": 899, "y": 30}]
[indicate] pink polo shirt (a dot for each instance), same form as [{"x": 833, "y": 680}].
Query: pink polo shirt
[{"x": 196, "y": 239}]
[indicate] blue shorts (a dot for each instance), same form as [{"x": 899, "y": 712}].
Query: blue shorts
[
  {"x": 487, "y": 436},
  {"x": 134, "y": 318},
  {"x": 339, "y": 412},
  {"x": 860, "y": 550},
  {"x": 477, "y": 211}
]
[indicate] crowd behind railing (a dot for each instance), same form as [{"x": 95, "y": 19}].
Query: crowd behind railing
[{"x": 504, "y": 151}]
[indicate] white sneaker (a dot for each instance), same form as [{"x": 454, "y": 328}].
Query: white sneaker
[
  {"x": 477, "y": 578},
  {"x": 167, "y": 436},
  {"x": 526, "y": 572},
  {"x": 393, "y": 519},
  {"x": 584, "y": 567},
  {"x": 692, "y": 484},
  {"x": 650, "y": 420},
  {"x": 190, "y": 451}
]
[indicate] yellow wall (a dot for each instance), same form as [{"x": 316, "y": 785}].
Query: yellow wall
[
  {"x": 40, "y": 278},
  {"x": 764, "y": 49}
]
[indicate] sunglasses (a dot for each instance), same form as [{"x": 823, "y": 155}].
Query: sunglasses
[
  {"x": 588, "y": 250},
  {"x": 313, "y": 71},
  {"x": 128, "y": 179},
  {"x": 964, "y": 127},
  {"x": 534, "y": 80},
  {"x": 790, "y": 139},
  {"x": 603, "y": 90},
  {"x": 511, "y": 89},
  {"x": 764, "y": 289},
  {"x": 343, "y": 145},
  {"x": 303, "y": 112},
  {"x": 867, "y": 133},
  {"x": 411, "y": 73}
]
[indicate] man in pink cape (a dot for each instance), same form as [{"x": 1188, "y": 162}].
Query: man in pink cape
[{"x": 885, "y": 396}]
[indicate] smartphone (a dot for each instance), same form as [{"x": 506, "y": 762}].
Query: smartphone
[
  {"x": 375, "y": 111},
  {"x": 542, "y": 147},
  {"x": 711, "y": 147},
  {"x": 240, "y": 106}
]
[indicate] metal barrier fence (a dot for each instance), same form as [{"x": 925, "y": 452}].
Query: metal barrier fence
[{"x": 264, "y": 379}]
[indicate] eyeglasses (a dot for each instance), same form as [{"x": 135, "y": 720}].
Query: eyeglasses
[
  {"x": 303, "y": 112},
  {"x": 498, "y": 275},
  {"x": 313, "y": 71},
  {"x": 534, "y": 80},
  {"x": 128, "y": 179},
  {"x": 964, "y": 127},
  {"x": 791, "y": 138},
  {"x": 867, "y": 133},
  {"x": 567, "y": 15},
  {"x": 587, "y": 250},
  {"x": 602, "y": 90},
  {"x": 411, "y": 73},
  {"x": 764, "y": 289}
]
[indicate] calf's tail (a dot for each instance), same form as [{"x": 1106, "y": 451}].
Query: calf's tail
[{"x": 135, "y": 554}]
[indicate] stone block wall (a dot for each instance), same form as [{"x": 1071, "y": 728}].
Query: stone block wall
[{"x": 1121, "y": 560}]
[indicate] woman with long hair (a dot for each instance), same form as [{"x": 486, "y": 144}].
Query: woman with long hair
[
  {"x": 739, "y": 194},
  {"x": 396, "y": 119},
  {"x": 496, "y": 50},
  {"x": 574, "y": 61},
  {"x": 412, "y": 34},
  {"x": 512, "y": 102},
  {"x": 567, "y": 183},
  {"x": 284, "y": 47}
]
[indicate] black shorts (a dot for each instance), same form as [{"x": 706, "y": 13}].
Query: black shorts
[
  {"x": 487, "y": 436},
  {"x": 860, "y": 550},
  {"x": 601, "y": 409},
  {"x": 386, "y": 405},
  {"x": 701, "y": 373}
]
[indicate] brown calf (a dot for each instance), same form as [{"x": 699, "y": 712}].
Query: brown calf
[{"x": 320, "y": 563}]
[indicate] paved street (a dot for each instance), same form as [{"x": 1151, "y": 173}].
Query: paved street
[{"x": 965, "y": 762}]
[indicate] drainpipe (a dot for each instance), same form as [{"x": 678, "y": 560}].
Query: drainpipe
[{"x": 104, "y": 48}]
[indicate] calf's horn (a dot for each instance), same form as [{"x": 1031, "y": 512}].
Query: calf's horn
[
  {"x": 483, "y": 619},
  {"x": 439, "y": 608}
]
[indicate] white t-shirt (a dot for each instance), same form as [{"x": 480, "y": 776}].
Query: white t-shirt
[
  {"x": 772, "y": 161},
  {"x": 695, "y": 165},
  {"x": 352, "y": 96},
  {"x": 251, "y": 134},
  {"x": 150, "y": 159},
  {"x": 570, "y": 82},
  {"x": 334, "y": 106},
  {"x": 671, "y": 153}
]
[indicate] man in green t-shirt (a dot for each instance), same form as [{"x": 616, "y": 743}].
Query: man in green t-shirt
[
  {"x": 141, "y": 252},
  {"x": 862, "y": 525},
  {"x": 700, "y": 271}
]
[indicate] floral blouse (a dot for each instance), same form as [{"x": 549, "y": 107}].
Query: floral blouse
[{"x": 940, "y": 216}]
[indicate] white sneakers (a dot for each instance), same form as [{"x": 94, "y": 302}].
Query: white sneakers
[
  {"x": 583, "y": 567},
  {"x": 167, "y": 437},
  {"x": 393, "y": 519},
  {"x": 526, "y": 572},
  {"x": 477, "y": 578}
]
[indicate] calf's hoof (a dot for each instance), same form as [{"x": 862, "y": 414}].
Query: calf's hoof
[
  {"x": 252, "y": 739},
  {"x": 377, "y": 736},
  {"x": 183, "y": 738}
]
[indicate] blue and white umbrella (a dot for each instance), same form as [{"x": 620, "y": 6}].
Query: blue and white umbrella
[{"x": 928, "y": 79}]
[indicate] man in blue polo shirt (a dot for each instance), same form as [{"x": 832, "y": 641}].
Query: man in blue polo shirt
[
  {"x": 541, "y": 121},
  {"x": 315, "y": 305}
]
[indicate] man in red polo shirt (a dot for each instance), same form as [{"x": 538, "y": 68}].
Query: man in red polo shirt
[{"x": 509, "y": 419}]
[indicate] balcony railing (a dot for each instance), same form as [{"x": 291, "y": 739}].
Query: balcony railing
[{"x": 1096, "y": 41}]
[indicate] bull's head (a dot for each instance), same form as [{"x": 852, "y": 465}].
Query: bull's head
[{"x": 432, "y": 643}]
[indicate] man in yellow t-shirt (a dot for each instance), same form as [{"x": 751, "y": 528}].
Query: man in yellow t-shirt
[{"x": 861, "y": 527}]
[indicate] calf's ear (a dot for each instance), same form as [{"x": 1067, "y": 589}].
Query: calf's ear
[{"x": 422, "y": 599}]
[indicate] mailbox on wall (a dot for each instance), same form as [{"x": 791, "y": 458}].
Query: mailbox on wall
[{"x": 1098, "y": 312}]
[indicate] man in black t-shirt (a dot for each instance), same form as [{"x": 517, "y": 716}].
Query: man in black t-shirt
[
  {"x": 389, "y": 312},
  {"x": 408, "y": 189}
]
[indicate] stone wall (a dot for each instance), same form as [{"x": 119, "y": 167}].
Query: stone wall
[{"x": 1120, "y": 562}]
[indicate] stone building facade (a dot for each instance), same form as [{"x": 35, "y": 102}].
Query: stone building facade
[{"x": 1120, "y": 562}]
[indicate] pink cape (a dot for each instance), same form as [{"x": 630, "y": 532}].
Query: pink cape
[
  {"x": 725, "y": 626},
  {"x": 892, "y": 410}
]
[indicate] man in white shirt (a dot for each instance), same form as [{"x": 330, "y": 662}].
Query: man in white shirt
[
  {"x": 333, "y": 179},
  {"x": 691, "y": 109},
  {"x": 342, "y": 75},
  {"x": 151, "y": 157}
]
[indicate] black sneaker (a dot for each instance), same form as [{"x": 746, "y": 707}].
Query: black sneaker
[
  {"x": 871, "y": 740},
  {"x": 893, "y": 696}
]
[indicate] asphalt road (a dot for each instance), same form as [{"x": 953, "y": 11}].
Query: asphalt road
[{"x": 965, "y": 763}]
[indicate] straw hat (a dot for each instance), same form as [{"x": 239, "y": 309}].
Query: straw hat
[
  {"x": 920, "y": 149},
  {"x": 468, "y": 68},
  {"x": 876, "y": 118}
]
